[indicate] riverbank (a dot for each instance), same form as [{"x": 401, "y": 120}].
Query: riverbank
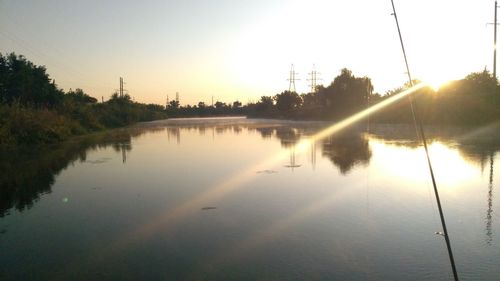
[
  {"x": 34, "y": 110},
  {"x": 20, "y": 125}
]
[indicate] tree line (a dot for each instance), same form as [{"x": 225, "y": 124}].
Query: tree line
[
  {"x": 473, "y": 100},
  {"x": 34, "y": 110}
]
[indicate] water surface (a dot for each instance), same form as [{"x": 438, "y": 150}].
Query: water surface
[{"x": 240, "y": 199}]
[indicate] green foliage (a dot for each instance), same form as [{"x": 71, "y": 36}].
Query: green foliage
[
  {"x": 33, "y": 110},
  {"x": 474, "y": 100},
  {"x": 23, "y": 82},
  {"x": 287, "y": 102},
  {"x": 23, "y": 125},
  {"x": 78, "y": 96},
  {"x": 346, "y": 95}
]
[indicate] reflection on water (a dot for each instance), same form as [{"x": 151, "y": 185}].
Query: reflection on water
[
  {"x": 145, "y": 206},
  {"x": 489, "y": 212},
  {"x": 347, "y": 151},
  {"x": 27, "y": 173}
]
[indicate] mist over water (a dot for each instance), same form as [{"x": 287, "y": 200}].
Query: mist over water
[{"x": 236, "y": 199}]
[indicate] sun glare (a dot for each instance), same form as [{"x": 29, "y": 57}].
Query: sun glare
[
  {"x": 437, "y": 79},
  {"x": 436, "y": 83}
]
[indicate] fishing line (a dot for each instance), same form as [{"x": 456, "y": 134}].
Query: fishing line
[{"x": 420, "y": 128}]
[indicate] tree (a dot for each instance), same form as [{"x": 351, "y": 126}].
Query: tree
[
  {"x": 347, "y": 94},
  {"x": 116, "y": 98},
  {"x": 173, "y": 104},
  {"x": 79, "y": 96},
  {"x": 237, "y": 104},
  {"x": 22, "y": 81},
  {"x": 219, "y": 105},
  {"x": 287, "y": 101},
  {"x": 481, "y": 82}
]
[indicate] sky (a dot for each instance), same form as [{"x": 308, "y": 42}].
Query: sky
[{"x": 241, "y": 50}]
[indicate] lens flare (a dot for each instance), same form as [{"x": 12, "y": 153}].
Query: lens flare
[
  {"x": 437, "y": 82},
  {"x": 234, "y": 182}
]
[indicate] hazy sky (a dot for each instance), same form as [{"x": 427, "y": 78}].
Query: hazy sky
[{"x": 243, "y": 49}]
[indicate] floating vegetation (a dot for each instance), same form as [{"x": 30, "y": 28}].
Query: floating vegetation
[{"x": 267, "y": 172}]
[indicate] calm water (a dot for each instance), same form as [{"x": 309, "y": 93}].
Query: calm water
[{"x": 238, "y": 199}]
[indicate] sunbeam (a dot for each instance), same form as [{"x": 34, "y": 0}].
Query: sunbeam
[
  {"x": 236, "y": 181},
  {"x": 272, "y": 231},
  {"x": 233, "y": 182}
]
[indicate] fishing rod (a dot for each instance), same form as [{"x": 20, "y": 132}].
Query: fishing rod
[{"x": 420, "y": 128}]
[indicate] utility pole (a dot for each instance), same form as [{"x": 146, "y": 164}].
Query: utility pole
[
  {"x": 495, "y": 23},
  {"x": 121, "y": 87},
  {"x": 495, "y": 43},
  {"x": 292, "y": 79}
]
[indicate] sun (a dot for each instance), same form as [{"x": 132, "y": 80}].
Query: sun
[
  {"x": 438, "y": 77},
  {"x": 436, "y": 82}
]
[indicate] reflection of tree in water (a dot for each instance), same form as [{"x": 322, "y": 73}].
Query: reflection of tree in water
[
  {"x": 219, "y": 130},
  {"x": 347, "y": 150},
  {"x": 174, "y": 132},
  {"x": 266, "y": 132},
  {"x": 288, "y": 136},
  {"x": 26, "y": 174},
  {"x": 237, "y": 130}
]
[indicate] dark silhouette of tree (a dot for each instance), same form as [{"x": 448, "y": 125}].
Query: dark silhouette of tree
[
  {"x": 481, "y": 82},
  {"x": 263, "y": 108},
  {"x": 219, "y": 105},
  {"x": 79, "y": 96},
  {"x": 346, "y": 95},
  {"x": 173, "y": 104},
  {"x": 22, "y": 81},
  {"x": 237, "y": 104},
  {"x": 287, "y": 102}
]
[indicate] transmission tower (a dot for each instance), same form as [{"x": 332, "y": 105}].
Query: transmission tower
[
  {"x": 292, "y": 79},
  {"x": 121, "y": 90},
  {"x": 313, "y": 79}
]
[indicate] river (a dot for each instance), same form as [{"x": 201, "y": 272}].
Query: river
[{"x": 249, "y": 199}]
